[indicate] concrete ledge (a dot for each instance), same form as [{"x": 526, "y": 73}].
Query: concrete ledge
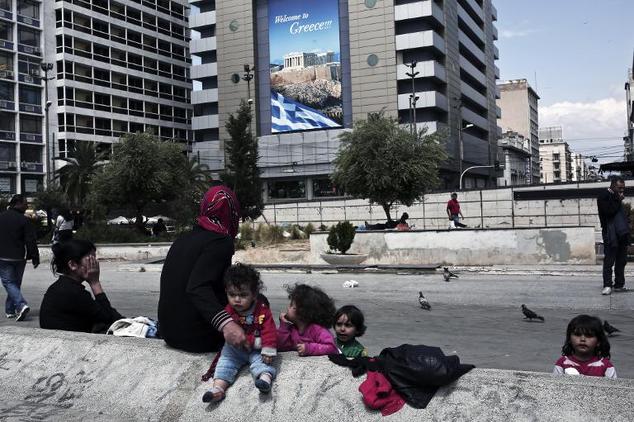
[
  {"x": 551, "y": 245},
  {"x": 122, "y": 251},
  {"x": 53, "y": 375}
]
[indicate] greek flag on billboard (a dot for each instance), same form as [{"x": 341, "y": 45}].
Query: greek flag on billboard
[{"x": 288, "y": 115}]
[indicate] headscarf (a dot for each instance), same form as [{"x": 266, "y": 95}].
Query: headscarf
[{"x": 220, "y": 211}]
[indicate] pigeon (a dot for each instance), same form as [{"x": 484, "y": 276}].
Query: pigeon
[
  {"x": 610, "y": 329},
  {"x": 446, "y": 274},
  {"x": 424, "y": 303},
  {"x": 530, "y": 314}
]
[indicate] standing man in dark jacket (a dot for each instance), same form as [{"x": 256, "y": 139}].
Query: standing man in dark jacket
[
  {"x": 17, "y": 245},
  {"x": 615, "y": 230}
]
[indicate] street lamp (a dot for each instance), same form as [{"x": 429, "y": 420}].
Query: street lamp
[
  {"x": 248, "y": 76},
  {"x": 47, "y": 67},
  {"x": 412, "y": 98}
]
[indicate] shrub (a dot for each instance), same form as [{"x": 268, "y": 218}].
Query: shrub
[
  {"x": 102, "y": 233},
  {"x": 341, "y": 236},
  {"x": 276, "y": 234},
  {"x": 309, "y": 229},
  {"x": 297, "y": 232},
  {"x": 247, "y": 232}
]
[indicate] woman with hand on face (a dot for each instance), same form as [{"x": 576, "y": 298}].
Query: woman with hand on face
[{"x": 67, "y": 305}]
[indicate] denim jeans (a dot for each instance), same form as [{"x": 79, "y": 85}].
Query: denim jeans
[
  {"x": 232, "y": 359},
  {"x": 11, "y": 273}
]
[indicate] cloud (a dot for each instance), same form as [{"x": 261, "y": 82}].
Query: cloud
[
  {"x": 603, "y": 118},
  {"x": 515, "y": 33}
]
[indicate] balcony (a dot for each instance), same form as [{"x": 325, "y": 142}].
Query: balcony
[
  {"x": 31, "y": 137},
  {"x": 204, "y": 70},
  {"x": 476, "y": 9},
  {"x": 471, "y": 24},
  {"x": 474, "y": 95},
  {"x": 427, "y": 69},
  {"x": 8, "y": 45},
  {"x": 473, "y": 71},
  {"x": 7, "y": 105},
  {"x": 205, "y": 122},
  {"x": 31, "y": 108},
  {"x": 7, "y": 135},
  {"x": 205, "y": 96},
  {"x": 28, "y": 166},
  {"x": 419, "y": 9},
  {"x": 27, "y": 49},
  {"x": 476, "y": 119},
  {"x": 203, "y": 44},
  {"x": 426, "y": 99},
  {"x": 418, "y": 40},
  {"x": 6, "y": 14},
  {"x": 202, "y": 19},
  {"x": 473, "y": 49},
  {"x": 9, "y": 165},
  {"x": 29, "y": 21}
]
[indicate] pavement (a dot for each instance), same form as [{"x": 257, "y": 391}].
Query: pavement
[{"x": 476, "y": 316}]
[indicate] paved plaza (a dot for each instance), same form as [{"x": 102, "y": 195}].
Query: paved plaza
[{"x": 476, "y": 316}]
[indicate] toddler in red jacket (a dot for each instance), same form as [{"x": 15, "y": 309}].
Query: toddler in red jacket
[{"x": 249, "y": 309}]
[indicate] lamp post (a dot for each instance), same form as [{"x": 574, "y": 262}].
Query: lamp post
[
  {"x": 248, "y": 77},
  {"x": 47, "y": 67},
  {"x": 412, "y": 98}
]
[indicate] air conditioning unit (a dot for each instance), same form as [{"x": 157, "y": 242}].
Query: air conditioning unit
[
  {"x": 12, "y": 164},
  {"x": 4, "y": 165},
  {"x": 4, "y": 103},
  {"x": 37, "y": 50},
  {"x": 28, "y": 79},
  {"x": 34, "y": 72},
  {"x": 4, "y": 74},
  {"x": 31, "y": 166}
]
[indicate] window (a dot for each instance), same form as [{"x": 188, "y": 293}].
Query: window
[
  {"x": 29, "y": 95},
  {"x": 5, "y": 4},
  {"x": 6, "y": 91},
  {"x": 6, "y": 61},
  {"x": 7, "y": 152},
  {"x": 555, "y": 157},
  {"x": 325, "y": 188},
  {"x": 31, "y": 124},
  {"x": 29, "y": 65},
  {"x": 31, "y": 153},
  {"x": 27, "y": 36},
  {"x": 28, "y": 8},
  {"x": 7, "y": 122},
  {"x": 287, "y": 189},
  {"x": 6, "y": 31}
]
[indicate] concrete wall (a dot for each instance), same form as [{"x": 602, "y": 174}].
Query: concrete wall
[
  {"x": 491, "y": 208},
  {"x": 54, "y": 375},
  {"x": 125, "y": 252},
  {"x": 564, "y": 245}
]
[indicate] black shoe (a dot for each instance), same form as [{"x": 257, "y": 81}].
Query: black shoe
[
  {"x": 263, "y": 386},
  {"x": 23, "y": 313},
  {"x": 621, "y": 289}
]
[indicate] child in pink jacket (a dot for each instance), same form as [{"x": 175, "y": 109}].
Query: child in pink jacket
[{"x": 304, "y": 326}]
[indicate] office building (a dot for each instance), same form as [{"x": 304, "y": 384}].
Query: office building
[
  {"x": 117, "y": 67},
  {"x": 628, "y": 139},
  {"x": 580, "y": 170},
  {"x": 515, "y": 156},
  {"x": 555, "y": 157},
  {"x": 310, "y": 71},
  {"x": 518, "y": 102},
  {"x": 22, "y": 106}
]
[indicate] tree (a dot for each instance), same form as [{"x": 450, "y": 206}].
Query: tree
[
  {"x": 385, "y": 163},
  {"x": 76, "y": 176},
  {"x": 142, "y": 170},
  {"x": 242, "y": 173}
]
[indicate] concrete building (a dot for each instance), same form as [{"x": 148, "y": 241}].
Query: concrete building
[
  {"x": 518, "y": 102},
  {"x": 451, "y": 42},
  {"x": 555, "y": 157},
  {"x": 515, "y": 155},
  {"x": 628, "y": 140},
  {"x": 580, "y": 170},
  {"x": 22, "y": 103},
  {"x": 117, "y": 67}
]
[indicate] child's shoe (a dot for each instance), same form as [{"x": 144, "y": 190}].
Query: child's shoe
[
  {"x": 214, "y": 395},
  {"x": 263, "y": 383}
]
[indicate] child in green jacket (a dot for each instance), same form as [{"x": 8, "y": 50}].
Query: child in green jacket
[{"x": 349, "y": 324}]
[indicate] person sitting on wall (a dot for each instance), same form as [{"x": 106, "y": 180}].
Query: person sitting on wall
[{"x": 402, "y": 225}]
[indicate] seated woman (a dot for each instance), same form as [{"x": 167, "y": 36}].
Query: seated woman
[{"x": 66, "y": 304}]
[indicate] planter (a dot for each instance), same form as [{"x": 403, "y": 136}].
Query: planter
[{"x": 347, "y": 259}]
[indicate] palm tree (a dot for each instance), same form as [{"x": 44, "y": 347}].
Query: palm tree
[
  {"x": 198, "y": 175},
  {"x": 76, "y": 175}
]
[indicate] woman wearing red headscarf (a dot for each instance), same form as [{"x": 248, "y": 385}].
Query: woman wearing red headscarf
[{"x": 191, "y": 305}]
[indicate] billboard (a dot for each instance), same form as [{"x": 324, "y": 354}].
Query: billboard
[{"x": 304, "y": 51}]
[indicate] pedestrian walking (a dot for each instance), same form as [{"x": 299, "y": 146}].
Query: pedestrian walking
[
  {"x": 615, "y": 231},
  {"x": 17, "y": 245},
  {"x": 453, "y": 211}
]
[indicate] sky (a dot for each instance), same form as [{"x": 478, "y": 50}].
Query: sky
[{"x": 576, "y": 55}]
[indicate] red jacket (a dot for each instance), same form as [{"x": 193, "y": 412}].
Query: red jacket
[
  {"x": 379, "y": 394},
  {"x": 259, "y": 327}
]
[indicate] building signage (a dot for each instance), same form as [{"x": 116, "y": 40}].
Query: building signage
[{"x": 304, "y": 51}]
